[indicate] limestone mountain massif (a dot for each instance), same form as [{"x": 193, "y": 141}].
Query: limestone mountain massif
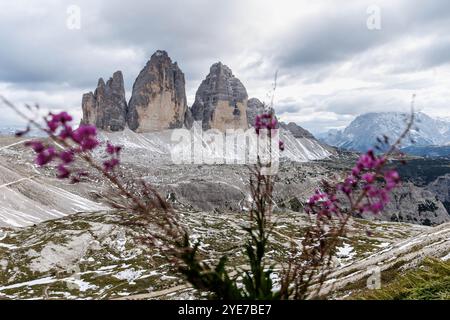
[
  {"x": 158, "y": 100},
  {"x": 106, "y": 108},
  {"x": 221, "y": 100}
]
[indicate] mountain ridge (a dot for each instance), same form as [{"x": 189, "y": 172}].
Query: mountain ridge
[{"x": 362, "y": 133}]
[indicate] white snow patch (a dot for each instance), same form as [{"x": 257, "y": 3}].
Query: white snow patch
[
  {"x": 345, "y": 252},
  {"x": 129, "y": 275}
]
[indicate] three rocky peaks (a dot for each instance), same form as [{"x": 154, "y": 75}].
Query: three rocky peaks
[{"x": 158, "y": 100}]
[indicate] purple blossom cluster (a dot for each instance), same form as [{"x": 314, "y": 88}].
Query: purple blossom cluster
[
  {"x": 74, "y": 142},
  {"x": 367, "y": 188},
  {"x": 267, "y": 121}
]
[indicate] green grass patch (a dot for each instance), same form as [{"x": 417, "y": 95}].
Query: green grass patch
[{"x": 430, "y": 282}]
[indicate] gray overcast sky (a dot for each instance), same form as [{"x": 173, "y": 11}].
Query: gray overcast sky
[{"x": 331, "y": 66}]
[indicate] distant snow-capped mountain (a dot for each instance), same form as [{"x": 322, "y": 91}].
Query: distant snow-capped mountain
[
  {"x": 11, "y": 131},
  {"x": 362, "y": 133},
  {"x": 7, "y": 131}
]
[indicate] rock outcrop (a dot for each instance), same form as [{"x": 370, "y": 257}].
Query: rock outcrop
[
  {"x": 106, "y": 108},
  {"x": 221, "y": 100},
  {"x": 254, "y": 108},
  {"x": 441, "y": 188},
  {"x": 296, "y": 130},
  {"x": 158, "y": 100}
]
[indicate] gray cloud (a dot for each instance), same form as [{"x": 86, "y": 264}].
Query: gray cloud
[{"x": 329, "y": 62}]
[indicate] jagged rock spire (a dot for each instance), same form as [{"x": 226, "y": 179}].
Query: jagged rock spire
[
  {"x": 158, "y": 99},
  {"x": 106, "y": 108}
]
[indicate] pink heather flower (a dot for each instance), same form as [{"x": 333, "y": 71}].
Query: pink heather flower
[
  {"x": 67, "y": 156},
  {"x": 85, "y": 136},
  {"x": 392, "y": 179},
  {"x": 52, "y": 126},
  {"x": 109, "y": 165},
  {"x": 111, "y": 149},
  {"x": 363, "y": 174},
  {"x": 369, "y": 177},
  {"x": 89, "y": 144},
  {"x": 365, "y": 162},
  {"x": 371, "y": 191},
  {"x": 377, "y": 207},
  {"x": 356, "y": 171},
  {"x": 390, "y": 185},
  {"x": 62, "y": 117},
  {"x": 316, "y": 197},
  {"x": 350, "y": 181},
  {"x": 45, "y": 156},
  {"x": 384, "y": 196},
  {"x": 66, "y": 132},
  {"x": 344, "y": 188},
  {"x": 84, "y": 131},
  {"x": 63, "y": 172},
  {"x": 380, "y": 161},
  {"x": 392, "y": 175},
  {"x": 37, "y": 146},
  {"x": 58, "y": 119}
]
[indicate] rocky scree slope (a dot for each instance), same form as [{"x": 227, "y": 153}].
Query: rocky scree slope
[{"x": 94, "y": 256}]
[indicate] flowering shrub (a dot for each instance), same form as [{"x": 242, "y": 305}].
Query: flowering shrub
[
  {"x": 265, "y": 121},
  {"x": 369, "y": 179},
  {"x": 74, "y": 143},
  {"x": 365, "y": 189}
]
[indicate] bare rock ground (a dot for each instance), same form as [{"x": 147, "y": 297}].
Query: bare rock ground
[{"x": 94, "y": 256}]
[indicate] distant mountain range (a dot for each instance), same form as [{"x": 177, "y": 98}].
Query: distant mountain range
[
  {"x": 12, "y": 130},
  {"x": 362, "y": 133},
  {"x": 8, "y": 130}
]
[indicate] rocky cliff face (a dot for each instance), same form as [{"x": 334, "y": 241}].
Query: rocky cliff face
[
  {"x": 441, "y": 188},
  {"x": 158, "y": 101},
  {"x": 413, "y": 204},
  {"x": 221, "y": 100},
  {"x": 254, "y": 108},
  {"x": 106, "y": 108}
]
